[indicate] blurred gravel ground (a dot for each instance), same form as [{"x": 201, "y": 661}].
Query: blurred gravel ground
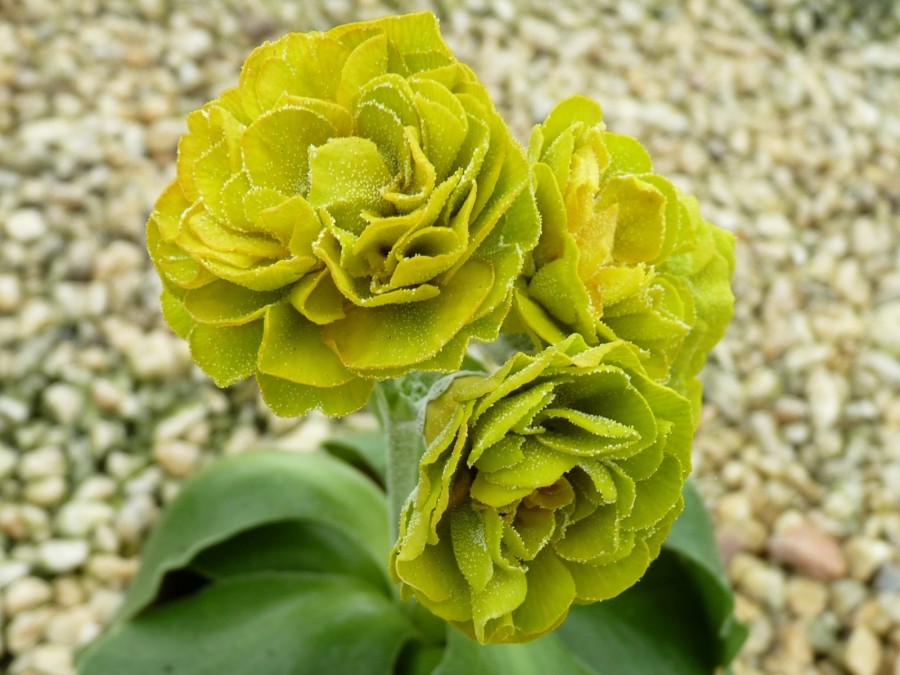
[{"x": 782, "y": 116}]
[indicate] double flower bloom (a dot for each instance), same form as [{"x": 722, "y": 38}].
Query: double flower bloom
[{"x": 356, "y": 210}]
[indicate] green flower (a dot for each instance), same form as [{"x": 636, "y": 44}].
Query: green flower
[
  {"x": 354, "y": 209},
  {"x": 623, "y": 254},
  {"x": 555, "y": 480}
]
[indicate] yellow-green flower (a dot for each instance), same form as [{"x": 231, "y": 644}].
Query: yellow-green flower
[
  {"x": 623, "y": 254},
  {"x": 354, "y": 209},
  {"x": 553, "y": 481}
]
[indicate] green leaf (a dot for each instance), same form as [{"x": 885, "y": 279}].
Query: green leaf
[
  {"x": 693, "y": 539},
  {"x": 289, "y": 546},
  {"x": 272, "y": 623},
  {"x": 546, "y": 655},
  {"x": 243, "y": 492},
  {"x": 366, "y": 450},
  {"x": 677, "y": 619}
]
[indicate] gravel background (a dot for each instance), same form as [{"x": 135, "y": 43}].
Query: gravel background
[{"x": 782, "y": 116}]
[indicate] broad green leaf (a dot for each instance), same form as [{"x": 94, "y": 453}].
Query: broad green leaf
[
  {"x": 272, "y": 623},
  {"x": 289, "y": 546},
  {"x": 656, "y": 626},
  {"x": 676, "y": 619},
  {"x": 366, "y": 450},
  {"x": 541, "y": 657},
  {"x": 693, "y": 539},
  {"x": 239, "y": 493}
]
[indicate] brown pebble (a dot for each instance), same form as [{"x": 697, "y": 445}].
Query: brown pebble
[{"x": 810, "y": 550}]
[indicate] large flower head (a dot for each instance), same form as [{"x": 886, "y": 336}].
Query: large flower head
[
  {"x": 623, "y": 254},
  {"x": 354, "y": 209},
  {"x": 555, "y": 480}
]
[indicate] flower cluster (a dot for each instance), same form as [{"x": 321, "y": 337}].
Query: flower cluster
[
  {"x": 623, "y": 254},
  {"x": 554, "y": 480},
  {"x": 356, "y": 210}
]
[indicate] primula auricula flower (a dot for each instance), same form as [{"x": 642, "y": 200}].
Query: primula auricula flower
[
  {"x": 354, "y": 209},
  {"x": 623, "y": 254},
  {"x": 555, "y": 480}
]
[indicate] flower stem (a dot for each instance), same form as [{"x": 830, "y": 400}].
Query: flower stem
[{"x": 397, "y": 411}]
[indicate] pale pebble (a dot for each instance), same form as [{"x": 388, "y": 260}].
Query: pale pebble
[
  {"x": 26, "y": 593},
  {"x": 72, "y": 626},
  {"x": 64, "y": 401},
  {"x": 146, "y": 482},
  {"x": 890, "y": 602},
  {"x": 111, "y": 568},
  {"x": 866, "y": 555},
  {"x": 36, "y": 315},
  {"x": 10, "y": 570},
  {"x": 104, "y": 603},
  {"x": 158, "y": 355},
  {"x": 121, "y": 465},
  {"x": 78, "y": 518},
  {"x": 8, "y": 458},
  {"x": 888, "y": 579},
  {"x": 846, "y": 596},
  {"x": 27, "y": 629},
  {"x": 45, "y": 659},
  {"x": 793, "y": 652},
  {"x": 872, "y": 614},
  {"x": 68, "y": 591},
  {"x": 96, "y": 488},
  {"x": 116, "y": 259},
  {"x": 48, "y": 491},
  {"x": 179, "y": 423},
  {"x": 105, "y": 539},
  {"x": 806, "y": 598},
  {"x": 862, "y": 655},
  {"x": 13, "y": 409},
  {"x": 42, "y": 462},
  {"x": 760, "y": 581},
  {"x": 63, "y": 555},
  {"x": 10, "y": 293},
  {"x": 26, "y": 225},
  {"x": 135, "y": 517}
]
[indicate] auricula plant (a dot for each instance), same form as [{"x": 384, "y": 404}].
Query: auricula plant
[
  {"x": 344, "y": 225},
  {"x": 551, "y": 481},
  {"x": 354, "y": 210},
  {"x": 623, "y": 253}
]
